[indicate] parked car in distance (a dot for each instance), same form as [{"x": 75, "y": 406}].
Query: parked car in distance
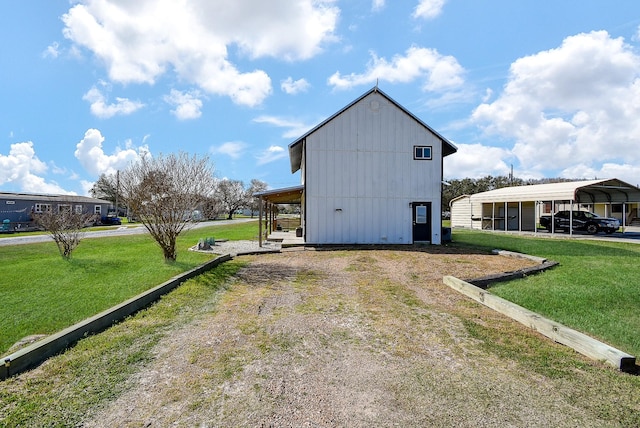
[
  {"x": 107, "y": 219},
  {"x": 582, "y": 220}
]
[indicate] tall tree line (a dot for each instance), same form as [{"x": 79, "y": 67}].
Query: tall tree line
[{"x": 470, "y": 186}]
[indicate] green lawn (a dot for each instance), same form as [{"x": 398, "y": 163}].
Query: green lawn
[
  {"x": 41, "y": 293},
  {"x": 596, "y": 288}
]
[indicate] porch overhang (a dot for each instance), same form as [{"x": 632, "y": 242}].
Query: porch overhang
[{"x": 288, "y": 195}]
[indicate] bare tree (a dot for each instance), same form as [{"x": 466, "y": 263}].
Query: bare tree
[
  {"x": 164, "y": 191},
  {"x": 232, "y": 195},
  {"x": 252, "y": 202},
  {"x": 65, "y": 227},
  {"x": 212, "y": 208}
]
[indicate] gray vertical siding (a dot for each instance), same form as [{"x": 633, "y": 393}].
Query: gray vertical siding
[{"x": 361, "y": 176}]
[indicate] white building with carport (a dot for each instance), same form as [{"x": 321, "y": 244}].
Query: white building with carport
[{"x": 519, "y": 208}]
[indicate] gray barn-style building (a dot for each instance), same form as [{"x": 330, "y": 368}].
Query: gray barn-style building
[
  {"x": 16, "y": 209},
  {"x": 371, "y": 174}
]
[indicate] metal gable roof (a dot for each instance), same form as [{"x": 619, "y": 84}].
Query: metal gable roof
[
  {"x": 590, "y": 191},
  {"x": 295, "y": 148},
  {"x": 51, "y": 198}
]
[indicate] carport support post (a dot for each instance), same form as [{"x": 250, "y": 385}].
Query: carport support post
[
  {"x": 493, "y": 216},
  {"x": 571, "y": 218},
  {"x": 506, "y": 216},
  {"x": 536, "y": 217},
  {"x": 519, "y": 216}
]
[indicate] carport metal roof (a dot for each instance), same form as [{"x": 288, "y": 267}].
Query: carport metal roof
[{"x": 584, "y": 192}]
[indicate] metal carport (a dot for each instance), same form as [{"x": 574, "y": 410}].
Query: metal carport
[{"x": 518, "y": 208}]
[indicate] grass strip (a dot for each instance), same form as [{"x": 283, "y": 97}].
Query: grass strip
[
  {"x": 69, "y": 386},
  {"x": 595, "y": 289},
  {"x": 40, "y": 293}
]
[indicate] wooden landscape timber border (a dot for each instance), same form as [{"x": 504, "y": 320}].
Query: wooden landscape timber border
[
  {"x": 542, "y": 265},
  {"x": 35, "y": 354},
  {"x": 580, "y": 342}
]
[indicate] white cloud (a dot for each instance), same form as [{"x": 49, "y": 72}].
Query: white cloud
[
  {"x": 101, "y": 109},
  {"x": 53, "y": 50},
  {"x": 141, "y": 41},
  {"x": 86, "y": 187},
  {"x": 233, "y": 149},
  {"x": 94, "y": 160},
  {"x": 636, "y": 36},
  {"x": 293, "y": 87},
  {"x": 188, "y": 105},
  {"x": 439, "y": 72},
  {"x": 487, "y": 95},
  {"x": 22, "y": 168},
  {"x": 293, "y": 128},
  {"x": 377, "y": 5},
  {"x": 273, "y": 153},
  {"x": 476, "y": 161},
  {"x": 428, "y": 9},
  {"x": 624, "y": 172},
  {"x": 573, "y": 105}
]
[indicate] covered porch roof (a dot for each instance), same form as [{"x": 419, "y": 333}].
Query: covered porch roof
[
  {"x": 268, "y": 198},
  {"x": 287, "y": 195}
]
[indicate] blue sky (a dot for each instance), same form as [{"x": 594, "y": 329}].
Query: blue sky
[{"x": 550, "y": 87}]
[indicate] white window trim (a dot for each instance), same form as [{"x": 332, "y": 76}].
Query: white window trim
[
  {"x": 38, "y": 208},
  {"x": 424, "y": 148}
]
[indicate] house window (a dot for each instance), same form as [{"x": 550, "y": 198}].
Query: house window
[
  {"x": 421, "y": 214},
  {"x": 97, "y": 209},
  {"x": 422, "y": 152},
  {"x": 42, "y": 208},
  {"x": 78, "y": 209},
  {"x": 64, "y": 208},
  {"x": 11, "y": 202}
]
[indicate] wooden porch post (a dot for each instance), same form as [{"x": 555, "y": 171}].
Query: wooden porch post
[{"x": 260, "y": 223}]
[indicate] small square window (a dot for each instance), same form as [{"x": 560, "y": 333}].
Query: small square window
[
  {"x": 422, "y": 152},
  {"x": 42, "y": 208}
]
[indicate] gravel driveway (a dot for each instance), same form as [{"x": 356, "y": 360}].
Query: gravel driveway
[{"x": 349, "y": 339}]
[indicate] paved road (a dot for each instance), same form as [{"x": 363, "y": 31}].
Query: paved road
[{"x": 119, "y": 231}]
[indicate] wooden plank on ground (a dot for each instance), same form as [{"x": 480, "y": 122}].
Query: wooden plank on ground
[{"x": 580, "y": 342}]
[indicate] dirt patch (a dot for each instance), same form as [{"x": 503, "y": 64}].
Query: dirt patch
[
  {"x": 341, "y": 338},
  {"x": 25, "y": 341}
]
